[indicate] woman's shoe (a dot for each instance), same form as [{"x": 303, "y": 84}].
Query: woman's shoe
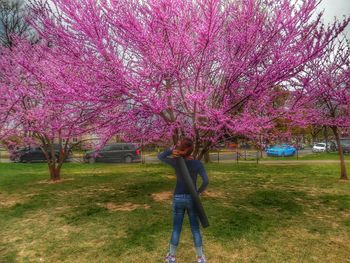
[
  {"x": 170, "y": 259},
  {"x": 201, "y": 259}
]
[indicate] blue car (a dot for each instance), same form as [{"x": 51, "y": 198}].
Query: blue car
[{"x": 282, "y": 150}]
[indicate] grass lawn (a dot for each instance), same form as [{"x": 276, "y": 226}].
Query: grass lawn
[{"x": 122, "y": 213}]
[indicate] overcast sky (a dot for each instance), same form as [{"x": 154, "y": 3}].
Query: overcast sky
[
  {"x": 331, "y": 8},
  {"x": 335, "y": 8}
]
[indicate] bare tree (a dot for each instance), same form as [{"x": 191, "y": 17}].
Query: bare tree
[{"x": 13, "y": 22}]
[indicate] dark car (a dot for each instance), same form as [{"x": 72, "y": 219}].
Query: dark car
[
  {"x": 345, "y": 143},
  {"x": 119, "y": 152},
  {"x": 30, "y": 154},
  {"x": 332, "y": 146}
]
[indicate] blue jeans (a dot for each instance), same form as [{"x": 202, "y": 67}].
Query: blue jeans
[{"x": 182, "y": 203}]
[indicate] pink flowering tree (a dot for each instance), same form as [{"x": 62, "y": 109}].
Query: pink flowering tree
[
  {"x": 325, "y": 86},
  {"x": 47, "y": 103},
  {"x": 202, "y": 69}
]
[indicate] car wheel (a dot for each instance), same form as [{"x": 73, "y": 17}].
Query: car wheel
[
  {"x": 128, "y": 159},
  {"x": 92, "y": 160}
]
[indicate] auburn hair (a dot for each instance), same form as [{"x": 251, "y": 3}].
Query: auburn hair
[{"x": 186, "y": 144}]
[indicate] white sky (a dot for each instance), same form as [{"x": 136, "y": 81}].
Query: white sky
[
  {"x": 331, "y": 8},
  {"x": 335, "y": 8}
]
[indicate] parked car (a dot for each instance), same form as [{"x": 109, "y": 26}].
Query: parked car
[
  {"x": 319, "y": 147},
  {"x": 345, "y": 143},
  {"x": 31, "y": 154},
  {"x": 119, "y": 152},
  {"x": 282, "y": 150},
  {"x": 332, "y": 146}
]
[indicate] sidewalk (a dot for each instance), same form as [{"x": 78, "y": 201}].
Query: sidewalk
[{"x": 284, "y": 161}]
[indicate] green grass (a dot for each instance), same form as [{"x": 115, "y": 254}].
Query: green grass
[{"x": 257, "y": 213}]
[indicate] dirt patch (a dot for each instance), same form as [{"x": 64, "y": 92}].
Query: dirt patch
[
  {"x": 7, "y": 201},
  {"x": 125, "y": 207},
  {"x": 162, "y": 196},
  {"x": 54, "y": 182},
  {"x": 280, "y": 164},
  {"x": 167, "y": 195},
  {"x": 214, "y": 194},
  {"x": 219, "y": 253},
  {"x": 220, "y": 173},
  {"x": 342, "y": 181}
]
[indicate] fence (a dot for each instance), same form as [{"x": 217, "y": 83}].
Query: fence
[
  {"x": 216, "y": 156},
  {"x": 221, "y": 155}
]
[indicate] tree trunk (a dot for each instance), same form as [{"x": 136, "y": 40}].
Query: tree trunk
[
  {"x": 204, "y": 153},
  {"x": 206, "y": 157},
  {"x": 326, "y": 137},
  {"x": 313, "y": 139},
  {"x": 343, "y": 174},
  {"x": 197, "y": 146},
  {"x": 55, "y": 173},
  {"x": 176, "y": 136}
]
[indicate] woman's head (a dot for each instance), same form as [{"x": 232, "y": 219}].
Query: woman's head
[{"x": 186, "y": 145}]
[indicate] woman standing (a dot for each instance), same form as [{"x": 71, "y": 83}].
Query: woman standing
[{"x": 182, "y": 200}]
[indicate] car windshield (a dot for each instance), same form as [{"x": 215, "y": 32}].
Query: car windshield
[
  {"x": 320, "y": 145},
  {"x": 23, "y": 149},
  {"x": 129, "y": 147},
  {"x": 345, "y": 142},
  {"x": 107, "y": 148},
  {"x": 36, "y": 149},
  {"x": 279, "y": 146}
]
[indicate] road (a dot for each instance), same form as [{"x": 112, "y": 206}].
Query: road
[{"x": 223, "y": 156}]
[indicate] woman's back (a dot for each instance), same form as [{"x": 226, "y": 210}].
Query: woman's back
[{"x": 194, "y": 167}]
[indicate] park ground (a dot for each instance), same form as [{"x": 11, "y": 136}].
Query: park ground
[{"x": 122, "y": 213}]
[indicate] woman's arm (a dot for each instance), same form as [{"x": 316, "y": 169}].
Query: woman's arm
[
  {"x": 164, "y": 157},
  {"x": 205, "y": 180}
]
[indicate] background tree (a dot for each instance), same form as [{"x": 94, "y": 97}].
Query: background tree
[
  {"x": 14, "y": 16},
  {"x": 48, "y": 102},
  {"x": 13, "y": 22},
  {"x": 327, "y": 92}
]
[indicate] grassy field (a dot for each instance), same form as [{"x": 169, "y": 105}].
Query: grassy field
[{"x": 122, "y": 213}]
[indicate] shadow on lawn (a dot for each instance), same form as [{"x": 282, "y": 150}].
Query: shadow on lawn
[
  {"x": 281, "y": 201},
  {"x": 255, "y": 213},
  {"x": 92, "y": 207}
]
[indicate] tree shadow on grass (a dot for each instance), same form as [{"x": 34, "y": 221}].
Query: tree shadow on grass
[
  {"x": 281, "y": 201},
  {"x": 340, "y": 202},
  {"x": 254, "y": 214},
  {"x": 92, "y": 205},
  {"x": 238, "y": 223}
]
